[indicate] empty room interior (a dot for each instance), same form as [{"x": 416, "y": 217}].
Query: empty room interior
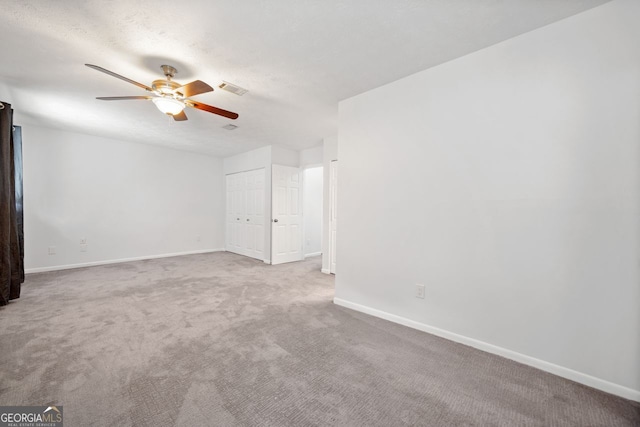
[{"x": 338, "y": 213}]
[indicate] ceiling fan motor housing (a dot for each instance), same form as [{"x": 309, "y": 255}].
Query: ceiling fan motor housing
[{"x": 164, "y": 87}]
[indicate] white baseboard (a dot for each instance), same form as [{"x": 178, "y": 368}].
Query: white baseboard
[
  {"x": 116, "y": 261},
  {"x": 560, "y": 371},
  {"x": 312, "y": 254},
  {"x": 326, "y": 271}
]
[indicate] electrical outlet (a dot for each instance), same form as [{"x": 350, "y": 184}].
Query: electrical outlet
[
  {"x": 83, "y": 241},
  {"x": 52, "y": 250},
  {"x": 420, "y": 291},
  {"x": 198, "y": 239},
  {"x": 83, "y": 248}
]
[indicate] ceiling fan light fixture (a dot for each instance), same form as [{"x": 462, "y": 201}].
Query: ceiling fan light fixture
[{"x": 169, "y": 106}]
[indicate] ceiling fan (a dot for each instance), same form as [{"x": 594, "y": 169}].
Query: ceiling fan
[{"x": 170, "y": 97}]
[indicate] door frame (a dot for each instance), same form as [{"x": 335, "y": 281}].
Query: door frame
[{"x": 333, "y": 201}]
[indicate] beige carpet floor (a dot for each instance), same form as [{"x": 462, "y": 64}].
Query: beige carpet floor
[{"x": 223, "y": 340}]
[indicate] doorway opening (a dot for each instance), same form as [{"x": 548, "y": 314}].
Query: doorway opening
[{"x": 312, "y": 210}]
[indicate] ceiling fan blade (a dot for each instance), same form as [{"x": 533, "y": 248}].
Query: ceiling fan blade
[
  {"x": 111, "y": 73},
  {"x": 210, "y": 109},
  {"x": 181, "y": 116},
  {"x": 120, "y": 98},
  {"x": 194, "y": 88}
]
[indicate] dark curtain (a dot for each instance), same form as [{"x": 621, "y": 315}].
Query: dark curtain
[{"x": 11, "y": 213}]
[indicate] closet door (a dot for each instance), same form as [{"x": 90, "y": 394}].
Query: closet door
[
  {"x": 245, "y": 213},
  {"x": 235, "y": 213},
  {"x": 254, "y": 215}
]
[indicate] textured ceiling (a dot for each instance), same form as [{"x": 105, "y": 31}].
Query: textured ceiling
[{"x": 297, "y": 58}]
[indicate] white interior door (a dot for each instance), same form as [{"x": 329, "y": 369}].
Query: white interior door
[
  {"x": 286, "y": 206},
  {"x": 254, "y": 213},
  {"x": 245, "y": 213},
  {"x": 333, "y": 190},
  {"x": 235, "y": 213}
]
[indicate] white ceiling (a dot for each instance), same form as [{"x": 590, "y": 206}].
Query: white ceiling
[{"x": 297, "y": 58}]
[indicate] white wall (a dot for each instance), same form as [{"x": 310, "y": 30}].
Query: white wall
[
  {"x": 506, "y": 182},
  {"x": 312, "y": 209},
  {"x": 312, "y": 157},
  {"x": 329, "y": 154},
  {"x": 250, "y": 160},
  {"x": 128, "y": 200},
  {"x": 284, "y": 156}
]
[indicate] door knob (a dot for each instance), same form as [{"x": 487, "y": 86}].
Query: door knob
[
  {"x": 275, "y": 220},
  {"x": 238, "y": 219},
  {"x": 247, "y": 219}
]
